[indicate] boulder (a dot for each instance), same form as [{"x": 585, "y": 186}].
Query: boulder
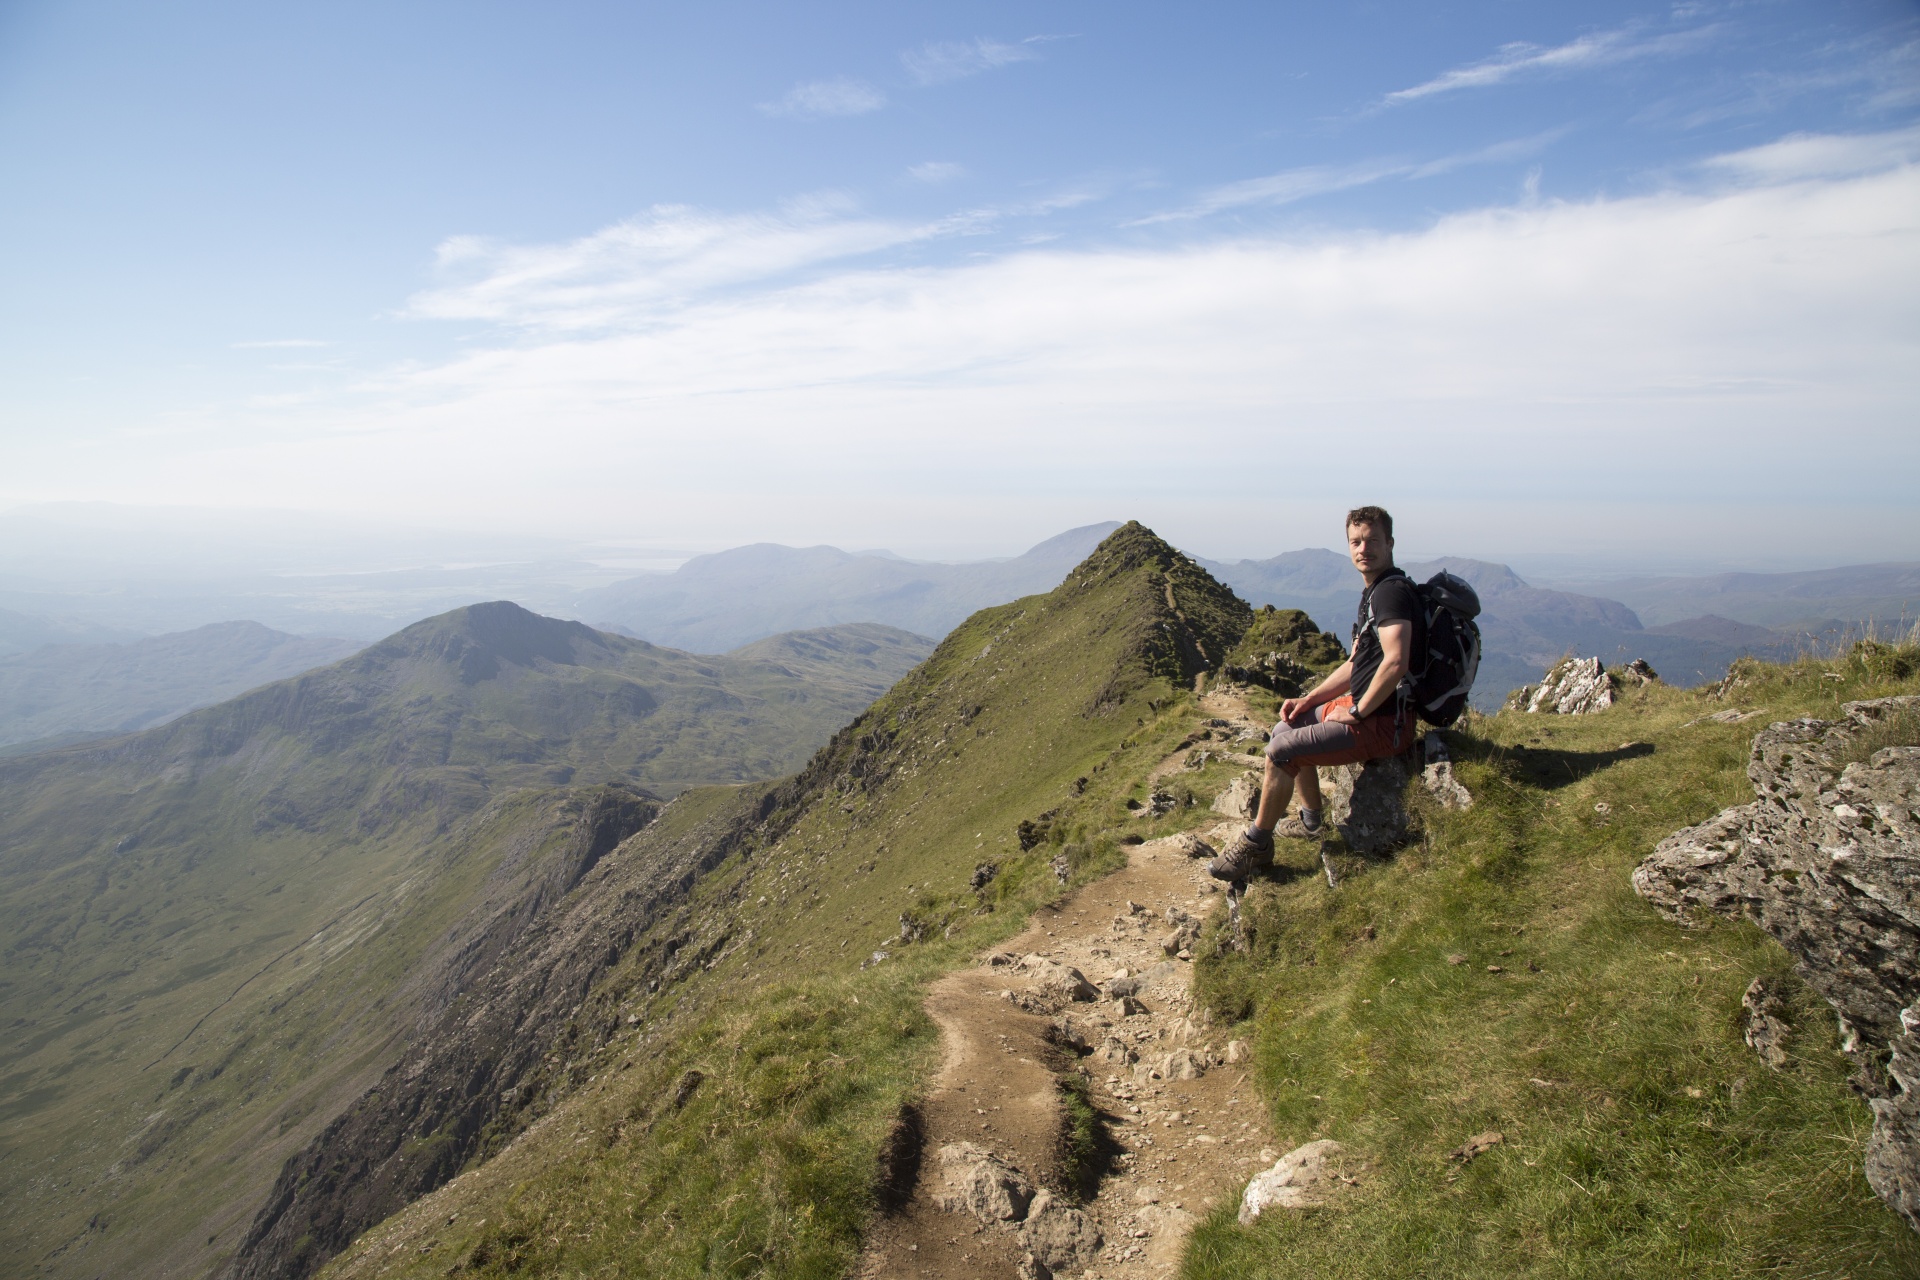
[
  {"x": 1366, "y": 803},
  {"x": 1187, "y": 845},
  {"x": 1058, "y": 1236},
  {"x": 1062, "y": 981},
  {"x": 1114, "y": 1050},
  {"x": 1436, "y": 775},
  {"x": 1071, "y": 1033},
  {"x": 1241, "y": 799},
  {"x": 1825, "y": 861},
  {"x": 1239, "y": 1051},
  {"x": 1574, "y": 687},
  {"x": 1181, "y": 1064},
  {"x": 1638, "y": 672},
  {"x": 978, "y": 1182},
  {"x": 1301, "y": 1179}
]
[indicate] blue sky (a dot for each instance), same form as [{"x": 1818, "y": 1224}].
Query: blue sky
[{"x": 1601, "y": 277}]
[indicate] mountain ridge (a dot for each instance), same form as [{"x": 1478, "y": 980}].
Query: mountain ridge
[
  {"x": 342, "y": 846},
  {"x": 1134, "y": 617}
]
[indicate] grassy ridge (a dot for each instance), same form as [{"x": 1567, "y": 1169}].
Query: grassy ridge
[
  {"x": 1051, "y": 708},
  {"x": 1654, "y": 1143},
  {"x": 1642, "y": 1137}
]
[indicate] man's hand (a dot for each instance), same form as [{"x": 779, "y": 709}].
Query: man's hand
[
  {"x": 1326, "y": 691},
  {"x": 1341, "y": 715}
]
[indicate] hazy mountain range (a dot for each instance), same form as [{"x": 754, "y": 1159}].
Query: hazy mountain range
[
  {"x": 203, "y": 926},
  {"x": 82, "y": 668},
  {"x": 715, "y": 602},
  {"x": 66, "y": 689}
]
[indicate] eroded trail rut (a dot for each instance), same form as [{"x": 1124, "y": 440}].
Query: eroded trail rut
[{"x": 1182, "y": 1128}]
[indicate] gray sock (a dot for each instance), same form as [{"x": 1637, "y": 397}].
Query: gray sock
[
  {"x": 1259, "y": 837},
  {"x": 1310, "y": 818}
]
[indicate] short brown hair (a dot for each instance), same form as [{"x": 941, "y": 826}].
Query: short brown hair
[{"x": 1375, "y": 516}]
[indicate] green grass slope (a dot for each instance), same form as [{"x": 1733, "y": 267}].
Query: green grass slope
[
  {"x": 1642, "y": 1137},
  {"x": 723, "y": 1099},
  {"x": 609, "y": 1157},
  {"x": 211, "y": 933}
]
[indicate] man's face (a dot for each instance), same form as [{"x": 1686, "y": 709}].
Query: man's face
[{"x": 1371, "y": 548}]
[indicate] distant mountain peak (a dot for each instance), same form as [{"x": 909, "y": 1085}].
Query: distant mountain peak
[
  {"x": 1073, "y": 541},
  {"x": 479, "y": 638}
]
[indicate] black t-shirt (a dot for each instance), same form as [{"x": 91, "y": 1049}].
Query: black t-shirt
[{"x": 1394, "y": 600}]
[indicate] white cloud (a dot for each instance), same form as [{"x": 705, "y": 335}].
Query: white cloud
[
  {"x": 1806, "y": 155},
  {"x": 817, "y": 99},
  {"x": 636, "y": 270},
  {"x": 1598, "y": 49},
  {"x": 934, "y": 171},
  {"x": 1304, "y": 183},
  {"x": 1753, "y": 344},
  {"x": 941, "y": 61}
]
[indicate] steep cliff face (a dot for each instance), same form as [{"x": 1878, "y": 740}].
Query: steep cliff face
[{"x": 1827, "y": 860}]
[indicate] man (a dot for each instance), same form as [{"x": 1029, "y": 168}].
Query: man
[{"x": 1360, "y": 712}]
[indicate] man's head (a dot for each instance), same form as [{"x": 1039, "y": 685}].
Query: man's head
[{"x": 1370, "y": 541}]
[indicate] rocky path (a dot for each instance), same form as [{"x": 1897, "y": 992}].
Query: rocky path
[{"x": 1106, "y": 970}]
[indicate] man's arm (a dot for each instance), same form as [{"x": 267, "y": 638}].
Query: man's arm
[
  {"x": 1338, "y": 681},
  {"x": 1394, "y": 640}
]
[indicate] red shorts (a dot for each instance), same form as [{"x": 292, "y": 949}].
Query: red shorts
[{"x": 1310, "y": 739}]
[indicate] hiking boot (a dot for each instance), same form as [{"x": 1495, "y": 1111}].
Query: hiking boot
[
  {"x": 1296, "y": 829},
  {"x": 1241, "y": 858}
]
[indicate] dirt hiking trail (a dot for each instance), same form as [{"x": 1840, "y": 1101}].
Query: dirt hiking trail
[{"x": 1180, "y": 1126}]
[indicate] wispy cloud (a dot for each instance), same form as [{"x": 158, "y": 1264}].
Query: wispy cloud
[
  {"x": 1291, "y": 185},
  {"x": 941, "y": 61},
  {"x": 1600, "y": 48},
  {"x": 935, "y": 171},
  {"x": 665, "y": 258},
  {"x": 818, "y": 99}
]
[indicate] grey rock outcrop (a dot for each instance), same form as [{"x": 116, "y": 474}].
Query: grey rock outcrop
[
  {"x": 1062, "y": 981},
  {"x": 1571, "y": 687},
  {"x": 1827, "y": 860},
  {"x": 1301, "y": 1179},
  {"x": 976, "y": 1181},
  {"x": 1367, "y": 803},
  {"x": 1241, "y": 799},
  {"x": 1058, "y": 1236},
  {"x": 1437, "y": 775}
]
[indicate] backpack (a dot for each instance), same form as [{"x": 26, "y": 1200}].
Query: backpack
[
  {"x": 1442, "y": 677},
  {"x": 1441, "y": 684}
]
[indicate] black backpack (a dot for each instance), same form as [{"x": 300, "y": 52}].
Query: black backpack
[
  {"x": 1441, "y": 685},
  {"x": 1443, "y": 676}
]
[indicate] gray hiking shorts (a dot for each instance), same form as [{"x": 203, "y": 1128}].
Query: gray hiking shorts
[{"x": 1310, "y": 739}]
